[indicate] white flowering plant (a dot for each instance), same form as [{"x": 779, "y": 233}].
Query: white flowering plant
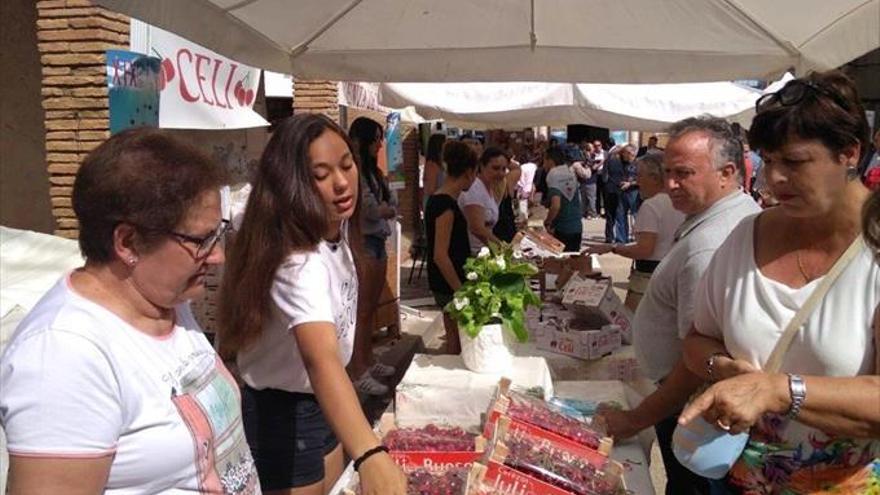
[{"x": 495, "y": 290}]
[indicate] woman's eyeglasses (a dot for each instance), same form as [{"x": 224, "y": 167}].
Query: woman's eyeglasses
[
  {"x": 204, "y": 245},
  {"x": 794, "y": 92}
]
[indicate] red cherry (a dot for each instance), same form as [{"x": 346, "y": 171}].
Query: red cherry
[
  {"x": 249, "y": 96},
  {"x": 161, "y": 82},
  {"x": 239, "y": 94}
]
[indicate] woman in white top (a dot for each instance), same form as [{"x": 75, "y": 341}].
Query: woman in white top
[
  {"x": 815, "y": 427},
  {"x": 109, "y": 385},
  {"x": 287, "y": 313},
  {"x": 655, "y": 226},
  {"x": 478, "y": 203}
]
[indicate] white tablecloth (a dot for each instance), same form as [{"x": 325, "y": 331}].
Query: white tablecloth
[{"x": 439, "y": 389}]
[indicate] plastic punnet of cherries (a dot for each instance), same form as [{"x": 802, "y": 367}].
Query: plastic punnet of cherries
[
  {"x": 541, "y": 414},
  {"x": 540, "y": 460},
  {"x": 453, "y": 481},
  {"x": 431, "y": 438}
]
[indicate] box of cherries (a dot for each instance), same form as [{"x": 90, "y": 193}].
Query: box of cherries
[
  {"x": 550, "y": 459},
  {"x": 494, "y": 478},
  {"x": 436, "y": 459},
  {"x": 546, "y": 416}
]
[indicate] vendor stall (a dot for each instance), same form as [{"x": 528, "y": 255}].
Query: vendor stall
[{"x": 528, "y": 428}]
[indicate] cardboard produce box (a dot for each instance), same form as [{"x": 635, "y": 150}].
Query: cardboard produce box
[
  {"x": 537, "y": 243},
  {"x": 583, "y": 344},
  {"x": 595, "y": 302}
]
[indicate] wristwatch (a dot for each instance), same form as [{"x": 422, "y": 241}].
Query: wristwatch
[{"x": 797, "y": 389}]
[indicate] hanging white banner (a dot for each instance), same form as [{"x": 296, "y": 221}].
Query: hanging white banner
[{"x": 201, "y": 89}]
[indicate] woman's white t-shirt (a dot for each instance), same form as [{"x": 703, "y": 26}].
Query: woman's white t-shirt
[
  {"x": 478, "y": 195},
  {"x": 77, "y": 381},
  {"x": 658, "y": 216},
  {"x": 737, "y": 304},
  {"x": 315, "y": 286}
]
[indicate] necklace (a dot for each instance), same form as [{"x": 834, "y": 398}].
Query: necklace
[{"x": 800, "y": 265}]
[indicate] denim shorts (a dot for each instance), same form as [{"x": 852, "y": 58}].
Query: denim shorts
[{"x": 288, "y": 436}]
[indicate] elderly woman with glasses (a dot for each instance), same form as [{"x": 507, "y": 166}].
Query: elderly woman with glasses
[
  {"x": 815, "y": 425},
  {"x": 109, "y": 385}
]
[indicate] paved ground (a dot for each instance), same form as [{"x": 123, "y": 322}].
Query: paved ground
[{"x": 422, "y": 329}]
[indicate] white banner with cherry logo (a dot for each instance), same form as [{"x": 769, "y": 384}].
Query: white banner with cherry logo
[{"x": 199, "y": 88}]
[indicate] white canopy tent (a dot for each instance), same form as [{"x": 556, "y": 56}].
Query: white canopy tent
[
  {"x": 644, "y": 107},
  {"x": 601, "y": 41}
]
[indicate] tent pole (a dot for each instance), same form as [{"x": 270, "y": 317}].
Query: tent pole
[{"x": 533, "y": 38}]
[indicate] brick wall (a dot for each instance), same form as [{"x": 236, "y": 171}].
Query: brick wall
[
  {"x": 72, "y": 38},
  {"x": 410, "y": 195},
  {"x": 316, "y": 97}
]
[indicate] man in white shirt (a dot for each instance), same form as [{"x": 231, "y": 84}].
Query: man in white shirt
[{"x": 701, "y": 169}]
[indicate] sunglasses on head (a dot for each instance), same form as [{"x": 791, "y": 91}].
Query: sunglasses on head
[{"x": 794, "y": 92}]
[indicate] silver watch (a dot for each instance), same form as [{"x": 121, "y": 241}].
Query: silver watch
[{"x": 797, "y": 388}]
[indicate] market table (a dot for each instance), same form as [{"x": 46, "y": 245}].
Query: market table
[
  {"x": 634, "y": 453},
  {"x": 439, "y": 387}
]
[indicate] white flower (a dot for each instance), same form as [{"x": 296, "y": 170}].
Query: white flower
[
  {"x": 460, "y": 303},
  {"x": 500, "y": 262},
  {"x": 484, "y": 251},
  {"x": 517, "y": 255},
  {"x": 472, "y": 276}
]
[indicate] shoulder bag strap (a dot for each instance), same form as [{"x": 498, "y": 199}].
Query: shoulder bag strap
[{"x": 774, "y": 362}]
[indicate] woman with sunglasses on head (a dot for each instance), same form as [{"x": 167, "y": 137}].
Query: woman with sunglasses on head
[
  {"x": 287, "y": 314},
  {"x": 815, "y": 425},
  {"x": 109, "y": 385}
]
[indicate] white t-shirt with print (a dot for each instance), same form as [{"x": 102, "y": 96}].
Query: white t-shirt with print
[
  {"x": 478, "y": 195},
  {"x": 658, "y": 216},
  {"x": 316, "y": 286},
  {"x": 77, "y": 381}
]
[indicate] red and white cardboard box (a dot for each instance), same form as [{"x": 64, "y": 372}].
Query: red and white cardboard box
[
  {"x": 538, "y": 243},
  {"x": 583, "y": 344}
]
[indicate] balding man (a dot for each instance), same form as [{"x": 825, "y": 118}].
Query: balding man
[{"x": 701, "y": 167}]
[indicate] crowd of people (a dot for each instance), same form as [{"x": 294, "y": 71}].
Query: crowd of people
[{"x": 129, "y": 396}]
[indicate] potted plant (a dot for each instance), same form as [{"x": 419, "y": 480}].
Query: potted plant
[{"x": 490, "y": 307}]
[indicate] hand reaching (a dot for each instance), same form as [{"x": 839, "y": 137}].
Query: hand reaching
[
  {"x": 381, "y": 476},
  {"x": 735, "y": 404},
  {"x": 618, "y": 423}
]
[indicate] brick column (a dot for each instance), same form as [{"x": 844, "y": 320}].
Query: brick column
[
  {"x": 73, "y": 36},
  {"x": 410, "y": 195},
  {"x": 316, "y": 97}
]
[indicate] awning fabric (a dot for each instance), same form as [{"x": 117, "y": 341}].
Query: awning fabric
[{"x": 601, "y": 41}]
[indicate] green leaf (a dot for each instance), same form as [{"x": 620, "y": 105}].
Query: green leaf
[{"x": 508, "y": 282}]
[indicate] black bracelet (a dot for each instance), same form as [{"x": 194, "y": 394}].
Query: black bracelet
[{"x": 366, "y": 455}]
